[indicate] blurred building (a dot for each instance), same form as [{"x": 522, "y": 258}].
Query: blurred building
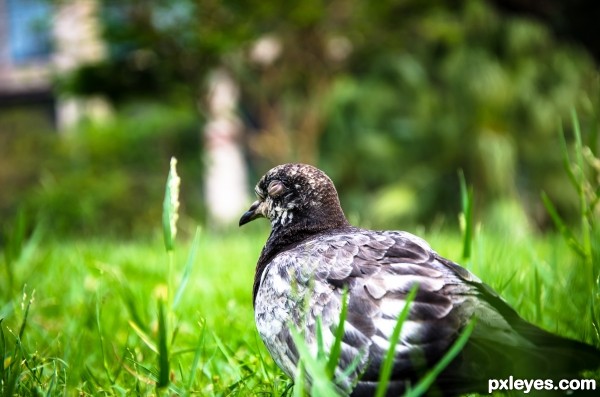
[{"x": 40, "y": 40}]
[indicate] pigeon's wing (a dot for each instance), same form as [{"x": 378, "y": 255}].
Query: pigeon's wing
[{"x": 380, "y": 269}]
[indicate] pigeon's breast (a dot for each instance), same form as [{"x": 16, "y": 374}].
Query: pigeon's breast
[
  {"x": 278, "y": 306},
  {"x": 289, "y": 297}
]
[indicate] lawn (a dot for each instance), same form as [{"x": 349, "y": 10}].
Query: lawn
[{"x": 94, "y": 325}]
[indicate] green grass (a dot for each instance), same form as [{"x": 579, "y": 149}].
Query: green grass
[
  {"x": 94, "y": 317},
  {"x": 109, "y": 317},
  {"x": 89, "y": 293}
]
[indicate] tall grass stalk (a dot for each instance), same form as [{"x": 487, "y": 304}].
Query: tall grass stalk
[
  {"x": 169, "y": 296},
  {"x": 466, "y": 216},
  {"x": 580, "y": 173},
  {"x": 583, "y": 199}
]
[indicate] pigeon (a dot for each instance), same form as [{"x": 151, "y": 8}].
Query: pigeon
[{"x": 313, "y": 257}]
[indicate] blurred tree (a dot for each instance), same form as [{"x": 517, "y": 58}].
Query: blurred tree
[
  {"x": 575, "y": 20},
  {"x": 464, "y": 88},
  {"x": 158, "y": 46},
  {"x": 108, "y": 178},
  {"x": 390, "y": 97}
]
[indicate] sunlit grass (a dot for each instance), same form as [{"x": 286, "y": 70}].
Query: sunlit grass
[{"x": 79, "y": 337}]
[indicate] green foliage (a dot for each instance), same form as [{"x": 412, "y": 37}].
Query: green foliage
[
  {"x": 27, "y": 147},
  {"x": 424, "y": 88},
  {"x": 105, "y": 178},
  {"x": 167, "y": 299},
  {"x": 20, "y": 242},
  {"x": 165, "y": 47},
  {"x": 466, "y": 89},
  {"x": 390, "y": 98}
]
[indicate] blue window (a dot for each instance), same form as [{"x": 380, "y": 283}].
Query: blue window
[{"x": 29, "y": 24}]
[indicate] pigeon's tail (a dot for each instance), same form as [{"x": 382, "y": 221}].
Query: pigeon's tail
[
  {"x": 529, "y": 351},
  {"x": 558, "y": 357},
  {"x": 540, "y": 355}
]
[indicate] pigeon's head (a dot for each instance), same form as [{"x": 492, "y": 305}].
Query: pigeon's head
[{"x": 296, "y": 196}]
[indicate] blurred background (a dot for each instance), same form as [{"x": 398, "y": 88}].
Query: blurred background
[{"x": 391, "y": 98}]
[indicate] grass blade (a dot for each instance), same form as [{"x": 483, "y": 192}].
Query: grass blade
[
  {"x": 336, "y": 349},
  {"x": 566, "y": 160},
  {"x": 232, "y": 361},
  {"x": 14, "y": 372},
  {"x": 506, "y": 283},
  {"x": 144, "y": 336},
  {"x": 595, "y": 323},
  {"x": 25, "y": 315},
  {"x": 583, "y": 202},
  {"x": 386, "y": 367},
  {"x": 4, "y": 360},
  {"x": 562, "y": 227},
  {"x": 187, "y": 271},
  {"x": 102, "y": 344},
  {"x": 537, "y": 294},
  {"x": 196, "y": 361},
  {"x": 163, "y": 352},
  {"x": 130, "y": 303},
  {"x": 299, "y": 386},
  {"x": 321, "y": 385},
  {"x": 466, "y": 195}
]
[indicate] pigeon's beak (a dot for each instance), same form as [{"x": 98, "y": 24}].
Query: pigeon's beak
[{"x": 254, "y": 212}]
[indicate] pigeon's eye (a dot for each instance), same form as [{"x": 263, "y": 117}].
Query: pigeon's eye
[
  {"x": 276, "y": 188},
  {"x": 259, "y": 193}
]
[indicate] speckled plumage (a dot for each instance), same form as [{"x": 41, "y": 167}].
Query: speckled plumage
[{"x": 313, "y": 253}]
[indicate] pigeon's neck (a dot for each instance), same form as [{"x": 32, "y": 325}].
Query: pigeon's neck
[{"x": 282, "y": 238}]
